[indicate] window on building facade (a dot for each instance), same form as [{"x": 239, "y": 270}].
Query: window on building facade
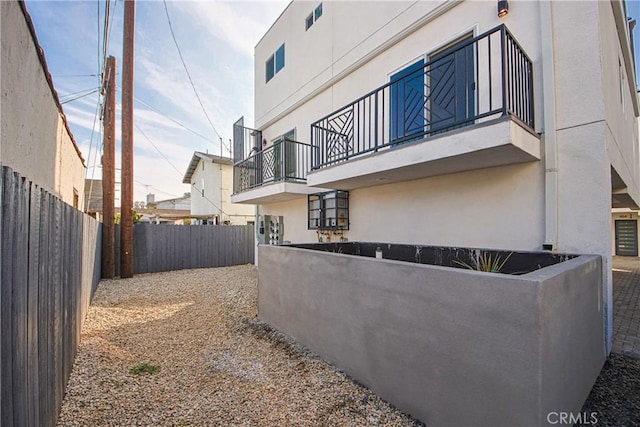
[
  {"x": 328, "y": 211},
  {"x": 275, "y": 63},
  {"x": 317, "y": 13},
  {"x": 270, "y": 68}
]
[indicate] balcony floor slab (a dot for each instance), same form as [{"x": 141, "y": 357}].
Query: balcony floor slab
[
  {"x": 281, "y": 191},
  {"x": 498, "y": 142}
]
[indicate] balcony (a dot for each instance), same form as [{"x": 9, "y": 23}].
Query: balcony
[
  {"x": 468, "y": 107},
  {"x": 275, "y": 174}
]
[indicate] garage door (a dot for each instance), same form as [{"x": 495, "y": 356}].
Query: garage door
[{"x": 627, "y": 237}]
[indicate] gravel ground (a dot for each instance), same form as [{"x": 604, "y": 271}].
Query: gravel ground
[
  {"x": 615, "y": 397},
  {"x": 217, "y": 364}
]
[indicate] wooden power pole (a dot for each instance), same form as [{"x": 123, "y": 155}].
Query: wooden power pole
[
  {"x": 126, "y": 207},
  {"x": 109, "y": 171}
]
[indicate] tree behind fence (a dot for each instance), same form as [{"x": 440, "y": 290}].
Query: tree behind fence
[
  {"x": 177, "y": 247},
  {"x": 49, "y": 269}
]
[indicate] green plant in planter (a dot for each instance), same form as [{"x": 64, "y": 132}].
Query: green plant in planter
[{"x": 487, "y": 262}]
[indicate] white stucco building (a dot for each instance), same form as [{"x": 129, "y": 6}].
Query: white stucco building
[
  {"x": 211, "y": 179},
  {"x": 442, "y": 123},
  {"x": 35, "y": 139}
]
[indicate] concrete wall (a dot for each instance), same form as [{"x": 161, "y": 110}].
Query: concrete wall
[
  {"x": 449, "y": 346},
  {"x": 218, "y": 186},
  {"x": 34, "y": 138}
]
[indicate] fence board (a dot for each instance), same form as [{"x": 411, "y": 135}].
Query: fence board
[
  {"x": 1, "y": 264},
  {"x": 33, "y": 403},
  {"x": 19, "y": 303},
  {"x": 9, "y": 218},
  {"x": 46, "y": 282}
]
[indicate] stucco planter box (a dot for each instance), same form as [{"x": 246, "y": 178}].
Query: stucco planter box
[{"x": 448, "y": 346}]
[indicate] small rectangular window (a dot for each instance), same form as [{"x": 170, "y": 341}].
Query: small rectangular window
[
  {"x": 308, "y": 22},
  {"x": 270, "y": 68},
  {"x": 318, "y": 11},
  {"x": 280, "y": 58},
  {"x": 328, "y": 211}
]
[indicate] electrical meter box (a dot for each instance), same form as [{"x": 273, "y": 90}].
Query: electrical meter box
[{"x": 270, "y": 229}]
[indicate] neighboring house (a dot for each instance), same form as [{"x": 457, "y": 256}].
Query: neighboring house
[
  {"x": 169, "y": 211},
  {"x": 441, "y": 123},
  {"x": 93, "y": 198},
  {"x": 179, "y": 203},
  {"x": 35, "y": 139},
  {"x": 211, "y": 179}
]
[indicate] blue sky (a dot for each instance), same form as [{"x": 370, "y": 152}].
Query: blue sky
[{"x": 216, "y": 39}]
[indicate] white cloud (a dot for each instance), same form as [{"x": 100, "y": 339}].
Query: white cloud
[{"x": 240, "y": 24}]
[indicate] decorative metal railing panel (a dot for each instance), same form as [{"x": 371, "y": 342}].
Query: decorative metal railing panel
[
  {"x": 474, "y": 81},
  {"x": 285, "y": 160}
]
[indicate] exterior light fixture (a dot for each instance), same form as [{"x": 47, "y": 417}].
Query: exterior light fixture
[{"x": 503, "y": 8}]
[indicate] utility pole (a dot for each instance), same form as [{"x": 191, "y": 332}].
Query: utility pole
[
  {"x": 126, "y": 206},
  {"x": 109, "y": 171}
]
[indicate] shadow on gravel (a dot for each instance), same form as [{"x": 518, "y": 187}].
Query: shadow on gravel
[{"x": 615, "y": 397}]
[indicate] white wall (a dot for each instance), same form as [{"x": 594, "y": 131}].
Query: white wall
[
  {"x": 335, "y": 61},
  {"x": 34, "y": 139},
  {"x": 209, "y": 203},
  {"x": 218, "y": 186}
]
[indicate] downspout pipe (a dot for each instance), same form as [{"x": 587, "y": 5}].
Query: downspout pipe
[{"x": 548, "y": 128}]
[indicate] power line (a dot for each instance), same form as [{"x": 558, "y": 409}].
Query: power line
[
  {"x": 157, "y": 149},
  {"x": 76, "y": 75},
  {"x": 100, "y": 68},
  {"x": 174, "y": 120},
  {"x": 93, "y": 128},
  {"x": 147, "y": 186},
  {"x": 189, "y": 75},
  {"x": 68, "y": 95},
  {"x": 80, "y": 96}
]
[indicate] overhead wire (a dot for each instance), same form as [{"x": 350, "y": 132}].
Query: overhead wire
[
  {"x": 96, "y": 115},
  {"x": 80, "y": 96},
  {"x": 68, "y": 95},
  {"x": 76, "y": 75},
  {"x": 173, "y": 120},
  {"x": 166, "y": 9}
]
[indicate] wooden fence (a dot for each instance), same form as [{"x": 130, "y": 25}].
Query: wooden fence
[
  {"x": 176, "y": 247},
  {"x": 49, "y": 269}
]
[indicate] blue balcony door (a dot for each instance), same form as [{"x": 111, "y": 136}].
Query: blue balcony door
[
  {"x": 407, "y": 121},
  {"x": 435, "y": 98},
  {"x": 451, "y": 92}
]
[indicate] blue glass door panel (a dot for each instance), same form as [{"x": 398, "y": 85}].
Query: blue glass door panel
[{"x": 407, "y": 120}]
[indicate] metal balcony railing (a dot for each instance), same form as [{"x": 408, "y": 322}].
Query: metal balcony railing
[
  {"x": 285, "y": 160},
  {"x": 473, "y": 81}
]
